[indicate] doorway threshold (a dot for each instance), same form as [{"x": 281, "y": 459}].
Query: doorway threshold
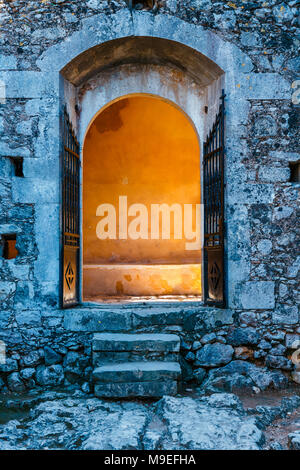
[
  {"x": 130, "y": 316},
  {"x": 141, "y": 300}
]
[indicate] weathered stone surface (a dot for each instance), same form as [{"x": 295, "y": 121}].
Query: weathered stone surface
[
  {"x": 294, "y": 440},
  {"x": 286, "y": 315},
  {"x": 199, "y": 375},
  {"x": 51, "y": 356},
  {"x": 107, "y": 357},
  {"x": 256, "y": 295},
  {"x": 50, "y": 376},
  {"x": 236, "y": 434},
  {"x": 243, "y": 353},
  {"x": 137, "y": 372},
  {"x": 97, "y": 320},
  {"x": 190, "y": 356},
  {"x": 279, "y": 362},
  {"x": 74, "y": 365},
  {"x": 243, "y": 336},
  {"x": 14, "y": 382},
  {"x": 139, "y": 342},
  {"x": 242, "y": 375},
  {"x": 135, "y": 389},
  {"x": 296, "y": 376},
  {"x": 57, "y": 421},
  {"x": 213, "y": 355},
  {"x": 32, "y": 359},
  {"x": 292, "y": 341},
  {"x": 209, "y": 338},
  {"x": 9, "y": 365}
]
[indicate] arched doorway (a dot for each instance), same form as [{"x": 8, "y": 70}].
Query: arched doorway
[
  {"x": 141, "y": 201},
  {"x": 176, "y": 74}
]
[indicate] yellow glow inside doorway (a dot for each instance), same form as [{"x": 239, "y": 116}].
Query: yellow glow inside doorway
[{"x": 146, "y": 149}]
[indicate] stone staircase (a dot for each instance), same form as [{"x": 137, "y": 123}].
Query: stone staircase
[{"x": 135, "y": 365}]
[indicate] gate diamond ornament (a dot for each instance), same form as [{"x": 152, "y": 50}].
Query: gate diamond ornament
[
  {"x": 69, "y": 275},
  {"x": 215, "y": 275}
]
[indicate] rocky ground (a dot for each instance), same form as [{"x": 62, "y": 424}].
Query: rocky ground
[{"x": 74, "y": 420}]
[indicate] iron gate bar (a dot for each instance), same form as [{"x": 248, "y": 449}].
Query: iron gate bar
[
  {"x": 213, "y": 176},
  {"x": 70, "y": 214}
]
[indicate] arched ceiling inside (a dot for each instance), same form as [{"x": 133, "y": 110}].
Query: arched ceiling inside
[{"x": 141, "y": 50}]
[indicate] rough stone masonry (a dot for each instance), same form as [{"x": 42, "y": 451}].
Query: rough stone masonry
[{"x": 249, "y": 344}]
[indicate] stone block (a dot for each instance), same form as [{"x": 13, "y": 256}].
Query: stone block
[
  {"x": 29, "y": 84},
  {"x": 31, "y": 190},
  {"x": 243, "y": 337},
  {"x": 255, "y": 295},
  {"x": 89, "y": 320},
  {"x": 51, "y": 356},
  {"x": 9, "y": 229},
  {"x": 107, "y": 357},
  {"x": 274, "y": 174},
  {"x": 28, "y": 318},
  {"x": 155, "y": 371},
  {"x": 157, "y": 316},
  {"x": 32, "y": 359},
  {"x": 286, "y": 315},
  {"x": 278, "y": 362},
  {"x": 284, "y": 156},
  {"x": 214, "y": 355},
  {"x": 50, "y": 376},
  {"x": 264, "y": 246},
  {"x": 296, "y": 376},
  {"x": 15, "y": 383},
  {"x": 250, "y": 193},
  {"x": 138, "y": 342},
  {"x": 6, "y": 289},
  {"x": 10, "y": 365},
  {"x": 292, "y": 341},
  {"x": 135, "y": 389},
  {"x": 8, "y": 62},
  {"x": 199, "y": 375},
  {"x": 260, "y": 86},
  {"x": 27, "y": 373},
  {"x": 282, "y": 212}
]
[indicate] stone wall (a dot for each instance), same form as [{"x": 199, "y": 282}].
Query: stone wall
[{"x": 261, "y": 202}]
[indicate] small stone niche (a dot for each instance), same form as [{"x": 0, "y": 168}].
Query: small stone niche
[
  {"x": 17, "y": 164},
  {"x": 8, "y": 242},
  {"x": 295, "y": 172},
  {"x": 142, "y": 4}
]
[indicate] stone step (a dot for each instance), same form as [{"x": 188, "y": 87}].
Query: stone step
[
  {"x": 120, "y": 342},
  {"x": 135, "y": 389},
  {"x": 101, "y": 358},
  {"x": 117, "y": 347},
  {"x": 130, "y": 372}
]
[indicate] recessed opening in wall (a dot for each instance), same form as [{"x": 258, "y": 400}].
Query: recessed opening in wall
[
  {"x": 9, "y": 250},
  {"x": 141, "y": 201},
  {"x": 17, "y": 163},
  {"x": 141, "y": 4},
  {"x": 295, "y": 172}
]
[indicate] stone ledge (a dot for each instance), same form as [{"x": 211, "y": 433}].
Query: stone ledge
[{"x": 96, "y": 320}]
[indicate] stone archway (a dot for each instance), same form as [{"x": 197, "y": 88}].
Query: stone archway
[{"x": 151, "y": 66}]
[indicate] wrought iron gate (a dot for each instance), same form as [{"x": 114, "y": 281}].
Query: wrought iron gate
[
  {"x": 214, "y": 230},
  {"x": 70, "y": 166}
]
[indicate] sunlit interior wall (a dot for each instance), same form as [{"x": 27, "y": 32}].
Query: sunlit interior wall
[{"x": 146, "y": 149}]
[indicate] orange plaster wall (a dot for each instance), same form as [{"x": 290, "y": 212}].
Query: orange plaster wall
[{"x": 146, "y": 149}]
